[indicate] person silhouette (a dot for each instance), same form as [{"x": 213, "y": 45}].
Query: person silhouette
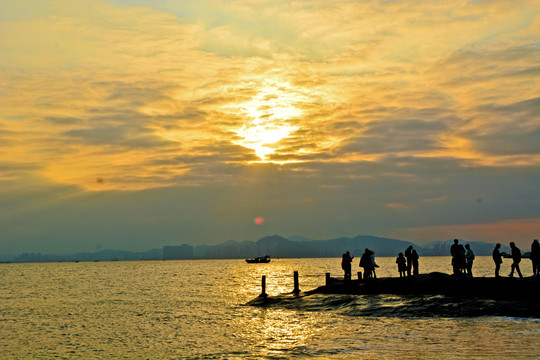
[
  {"x": 401, "y": 265},
  {"x": 367, "y": 264},
  {"x": 516, "y": 258},
  {"x": 535, "y": 257},
  {"x": 408, "y": 256},
  {"x": 469, "y": 259},
  {"x": 414, "y": 259},
  {"x": 497, "y": 259},
  {"x": 454, "y": 251},
  {"x": 346, "y": 265}
]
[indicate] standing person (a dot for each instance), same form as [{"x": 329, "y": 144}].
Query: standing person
[
  {"x": 408, "y": 254},
  {"x": 414, "y": 259},
  {"x": 346, "y": 265},
  {"x": 497, "y": 259},
  {"x": 401, "y": 265},
  {"x": 535, "y": 257},
  {"x": 454, "y": 250},
  {"x": 365, "y": 262},
  {"x": 516, "y": 258},
  {"x": 469, "y": 258}
]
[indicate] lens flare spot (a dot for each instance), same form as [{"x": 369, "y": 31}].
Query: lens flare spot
[{"x": 259, "y": 220}]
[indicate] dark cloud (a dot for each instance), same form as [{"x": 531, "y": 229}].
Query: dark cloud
[
  {"x": 392, "y": 136},
  {"x": 526, "y": 111},
  {"x": 190, "y": 116},
  {"x": 474, "y": 58},
  {"x": 139, "y": 95},
  {"x": 99, "y": 136},
  {"x": 478, "y": 65},
  {"x": 18, "y": 167},
  {"x": 63, "y": 120},
  {"x": 118, "y": 136},
  {"x": 508, "y": 140},
  {"x": 514, "y": 130}
]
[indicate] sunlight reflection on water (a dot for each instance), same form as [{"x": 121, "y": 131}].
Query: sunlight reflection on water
[{"x": 195, "y": 309}]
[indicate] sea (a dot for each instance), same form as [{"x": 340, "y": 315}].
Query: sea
[{"x": 203, "y": 309}]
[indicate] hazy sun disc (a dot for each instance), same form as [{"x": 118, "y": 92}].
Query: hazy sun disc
[
  {"x": 260, "y": 137},
  {"x": 259, "y": 220},
  {"x": 268, "y": 115}
]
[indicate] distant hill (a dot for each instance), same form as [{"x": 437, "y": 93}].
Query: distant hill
[
  {"x": 102, "y": 255},
  {"x": 300, "y": 247},
  {"x": 298, "y": 238}
]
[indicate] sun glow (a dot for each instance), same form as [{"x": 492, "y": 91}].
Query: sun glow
[
  {"x": 269, "y": 113},
  {"x": 263, "y": 137}
]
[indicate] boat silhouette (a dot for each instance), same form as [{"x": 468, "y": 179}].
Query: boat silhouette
[{"x": 259, "y": 260}]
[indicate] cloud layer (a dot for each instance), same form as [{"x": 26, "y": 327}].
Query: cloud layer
[{"x": 327, "y": 119}]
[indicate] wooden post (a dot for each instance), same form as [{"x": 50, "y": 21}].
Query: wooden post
[
  {"x": 263, "y": 284},
  {"x": 296, "y": 286},
  {"x": 359, "y": 275},
  {"x": 328, "y": 280}
]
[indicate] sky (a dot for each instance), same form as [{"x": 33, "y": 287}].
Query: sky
[{"x": 138, "y": 124}]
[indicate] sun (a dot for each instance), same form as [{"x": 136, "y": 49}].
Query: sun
[
  {"x": 268, "y": 117},
  {"x": 264, "y": 137}
]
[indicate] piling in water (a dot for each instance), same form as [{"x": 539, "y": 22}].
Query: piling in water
[
  {"x": 263, "y": 285},
  {"x": 296, "y": 285}
]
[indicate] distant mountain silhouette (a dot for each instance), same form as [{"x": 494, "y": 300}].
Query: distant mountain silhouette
[
  {"x": 301, "y": 247},
  {"x": 102, "y": 255},
  {"x": 296, "y": 247}
]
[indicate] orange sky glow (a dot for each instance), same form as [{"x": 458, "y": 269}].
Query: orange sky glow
[{"x": 327, "y": 119}]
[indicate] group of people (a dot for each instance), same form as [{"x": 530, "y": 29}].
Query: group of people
[
  {"x": 367, "y": 262},
  {"x": 408, "y": 264},
  {"x": 516, "y": 259},
  {"x": 462, "y": 261}
]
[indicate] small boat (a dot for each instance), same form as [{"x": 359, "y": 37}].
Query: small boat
[{"x": 259, "y": 260}]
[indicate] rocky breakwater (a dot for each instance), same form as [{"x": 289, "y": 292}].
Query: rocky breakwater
[{"x": 443, "y": 294}]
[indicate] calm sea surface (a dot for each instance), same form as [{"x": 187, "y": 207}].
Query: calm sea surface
[{"x": 197, "y": 310}]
